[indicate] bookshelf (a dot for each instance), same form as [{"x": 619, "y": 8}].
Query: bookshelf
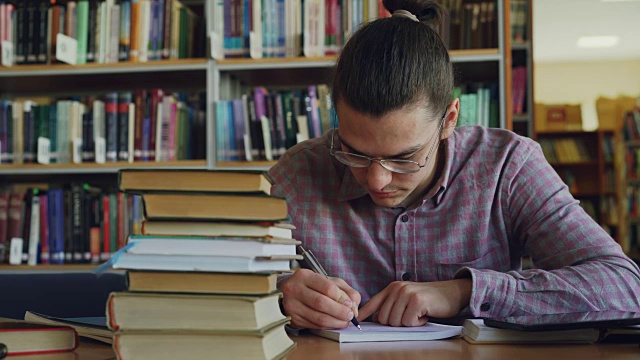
[
  {"x": 223, "y": 80},
  {"x": 631, "y": 185},
  {"x": 522, "y": 108},
  {"x": 591, "y": 163}
]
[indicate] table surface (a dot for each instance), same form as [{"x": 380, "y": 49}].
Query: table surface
[{"x": 310, "y": 347}]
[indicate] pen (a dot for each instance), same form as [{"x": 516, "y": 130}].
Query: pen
[{"x": 315, "y": 266}]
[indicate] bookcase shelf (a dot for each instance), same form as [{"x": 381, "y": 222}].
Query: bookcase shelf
[
  {"x": 93, "y": 168},
  {"x": 221, "y": 80},
  {"x": 49, "y": 268},
  {"x": 113, "y": 68}
]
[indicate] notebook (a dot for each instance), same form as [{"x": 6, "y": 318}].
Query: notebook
[{"x": 373, "y": 332}]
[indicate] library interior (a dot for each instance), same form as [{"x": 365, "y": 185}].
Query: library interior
[{"x": 136, "y": 139}]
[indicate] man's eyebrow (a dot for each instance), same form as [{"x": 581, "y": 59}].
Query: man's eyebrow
[{"x": 410, "y": 151}]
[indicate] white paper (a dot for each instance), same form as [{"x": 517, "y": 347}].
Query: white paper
[
  {"x": 15, "y": 254},
  {"x": 101, "y": 149},
  {"x": 217, "y": 46},
  {"x": 77, "y": 151},
  {"x": 67, "y": 49},
  {"x": 7, "y": 53},
  {"x": 44, "y": 148}
]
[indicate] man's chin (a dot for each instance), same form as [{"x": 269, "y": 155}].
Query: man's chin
[{"x": 387, "y": 199}]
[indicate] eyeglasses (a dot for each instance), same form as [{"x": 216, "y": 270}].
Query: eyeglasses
[{"x": 401, "y": 166}]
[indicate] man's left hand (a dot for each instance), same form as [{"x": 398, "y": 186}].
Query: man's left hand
[{"x": 404, "y": 303}]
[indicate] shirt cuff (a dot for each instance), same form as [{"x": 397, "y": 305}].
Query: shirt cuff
[{"x": 492, "y": 293}]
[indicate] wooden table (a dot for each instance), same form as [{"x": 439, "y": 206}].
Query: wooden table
[{"x": 311, "y": 347}]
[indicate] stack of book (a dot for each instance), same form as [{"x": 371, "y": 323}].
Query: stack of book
[{"x": 202, "y": 276}]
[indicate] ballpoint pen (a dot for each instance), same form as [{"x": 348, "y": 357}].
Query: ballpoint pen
[{"x": 315, "y": 266}]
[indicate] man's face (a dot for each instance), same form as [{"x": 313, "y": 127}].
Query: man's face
[{"x": 403, "y": 134}]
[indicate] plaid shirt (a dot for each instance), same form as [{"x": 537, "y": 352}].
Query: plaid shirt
[{"x": 496, "y": 200}]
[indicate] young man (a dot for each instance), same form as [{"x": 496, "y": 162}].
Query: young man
[{"x": 417, "y": 219}]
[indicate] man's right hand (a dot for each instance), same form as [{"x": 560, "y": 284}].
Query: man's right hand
[{"x": 315, "y": 302}]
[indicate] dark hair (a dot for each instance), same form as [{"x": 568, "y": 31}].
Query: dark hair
[{"x": 395, "y": 62}]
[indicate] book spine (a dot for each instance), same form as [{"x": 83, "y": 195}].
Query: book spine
[
  {"x": 125, "y": 30},
  {"x": 44, "y": 229},
  {"x": 106, "y": 229},
  {"x": 111, "y": 111},
  {"x": 114, "y": 35},
  {"x": 77, "y": 222},
  {"x": 156, "y": 99},
  {"x": 20, "y": 16},
  {"x": 42, "y": 34},
  {"x": 92, "y": 33},
  {"x": 82, "y": 10},
  {"x": 139, "y": 99},
  {"x": 88, "y": 148},
  {"x": 166, "y": 29},
  {"x": 124, "y": 100},
  {"x": 34, "y": 229},
  {"x": 134, "y": 32},
  {"x": 4, "y": 225}
]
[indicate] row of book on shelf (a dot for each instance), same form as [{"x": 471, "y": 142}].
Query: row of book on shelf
[
  {"x": 227, "y": 269},
  {"x": 519, "y": 20},
  {"x": 565, "y": 150},
  {"x": 60, "y": 224},
  {"x": 140, "y": 125},
  {"x": 104, "y": 31},
  {"x": 632, "y": 125},
  {"x": 263, "y": 124},
  {"x": 289, "y": 28}
]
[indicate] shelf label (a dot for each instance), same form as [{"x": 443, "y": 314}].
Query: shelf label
[
  {"x": 255, "y": 45},
  {"x": 77, "y": 151},
  {"x": 67, "y": 49},
  {"x": 7, "y": 53},
  {"x": 44, "y": 148},
  {"x": 101, "y": 150},
  {"x": 15, "y": 253},
  {"x": 217, "y": 46}
]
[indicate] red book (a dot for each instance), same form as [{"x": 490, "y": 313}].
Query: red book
[
  {"x": 44, "y": 229},
  {"x": 4, "y": 224},
  {"x": 24, "y": 338},
  {"x": 106, "y": 228},
  {"x": 15, "y": 216}
]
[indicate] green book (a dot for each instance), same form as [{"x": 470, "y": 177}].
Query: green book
[{"x": 82, "y": 30}]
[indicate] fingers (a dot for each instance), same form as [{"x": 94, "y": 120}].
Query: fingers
[
  {"x": 316, "y": 302},
  {"x": 320, "y": 302},
  {"x": 308, "y": 318},
  {"x": 373, "y": 305},
  {"x": 353, "y": 295}
]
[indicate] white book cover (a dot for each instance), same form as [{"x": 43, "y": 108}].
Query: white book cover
[
  {"x": 131, "y": 132},
  {"x": 255, "y": 37},
  {"x": 233, "y": 264},
  {"x": 211, "y": 246},
  {"x": 160, "y": 114},
  {"x": 34, "y": 230},
  {"x": 145, "y": 29},
  {"x": 114, "y": 35}
]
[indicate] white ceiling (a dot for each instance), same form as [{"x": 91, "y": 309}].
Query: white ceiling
[{"x": 557, "y": 25}]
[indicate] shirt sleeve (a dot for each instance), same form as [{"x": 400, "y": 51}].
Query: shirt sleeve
[{"x": 577, "y": 265}]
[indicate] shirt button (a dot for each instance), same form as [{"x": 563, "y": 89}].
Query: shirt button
[
  {"x": 406, "y": 276},
  {"x": 405, "y": 218},
  {"x": 485, "y": 307}
]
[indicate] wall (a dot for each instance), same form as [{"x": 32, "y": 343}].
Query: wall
[{"x": 584, "y": 82}]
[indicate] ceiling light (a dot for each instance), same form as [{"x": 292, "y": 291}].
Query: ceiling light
[{"x": 596, "y": 42}]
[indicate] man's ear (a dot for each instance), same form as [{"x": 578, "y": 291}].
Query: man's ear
[{"x": 451, "y": 118}]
